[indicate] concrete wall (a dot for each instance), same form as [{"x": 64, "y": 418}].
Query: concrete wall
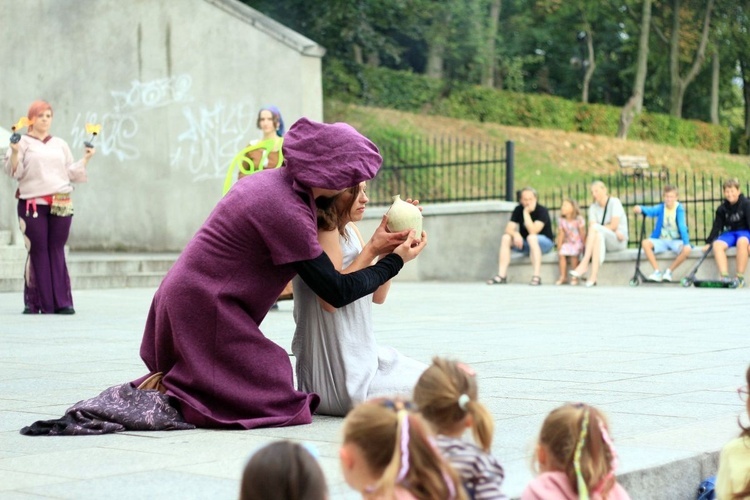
[
  {"x": 463, "y": 240},
  {"x": 176, "y": 86}
]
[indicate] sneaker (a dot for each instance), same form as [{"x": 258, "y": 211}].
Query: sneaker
[
  {"x": 655, "y": 276},
  {"x": 725, "y": 280},
  {"x": 740, "y": 281},
  {"x": 667, "y": 276}
]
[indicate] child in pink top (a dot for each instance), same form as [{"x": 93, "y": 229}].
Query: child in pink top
[
  {"x": 571, "y": 233},
  {"x": 576, "y": 458}
]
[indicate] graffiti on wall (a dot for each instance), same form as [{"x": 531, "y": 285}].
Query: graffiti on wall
[{"x": 210, "y": 138}]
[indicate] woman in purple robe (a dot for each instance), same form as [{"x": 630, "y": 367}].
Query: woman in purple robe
[{"x": 203, "y": 333}]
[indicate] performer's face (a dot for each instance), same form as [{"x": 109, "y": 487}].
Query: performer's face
[
  {"x": 357, "y": 211},
  {"x": 43, "y": 121},
  {"x": 265, "y": 122}
]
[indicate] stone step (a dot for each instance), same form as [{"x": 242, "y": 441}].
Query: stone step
[
  {"x": 91, "y": 270},
  {"x": 5, "y": 236}
]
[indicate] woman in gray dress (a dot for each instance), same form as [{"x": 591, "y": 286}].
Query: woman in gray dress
[{"x": 337, "y": 355}]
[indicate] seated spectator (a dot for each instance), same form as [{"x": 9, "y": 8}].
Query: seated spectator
[
  {"x": 608, "y": 232},
  {"x": 670, "y": 233},
  {"x": 529, "y": 231},
  {"x": 733, "y": 478},
  {"x": 571, "y": 233},
  {"x": 285, "y": 471},
  {"x": 575, "y": 457},
  {"x": 446, "y": 395},
  {"x": 731, "y": 228},
  {"x": 388, "y": 454}
]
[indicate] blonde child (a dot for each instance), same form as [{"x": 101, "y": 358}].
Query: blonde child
[
  {"x": 446, "y": 395},
  {"x": 575, "y": 457},
  {"x": 283, "y": 470},
  {"x": 387, "y": 454},
  {"x": 571, "y": 233},
  {"x": 733, "y": 478}
]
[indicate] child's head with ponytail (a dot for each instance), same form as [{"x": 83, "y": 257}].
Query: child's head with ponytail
[
  {"x": 446, "y": 395},
  {"x": 575, "y": 440},
  {"x": 387, "y": 447}
]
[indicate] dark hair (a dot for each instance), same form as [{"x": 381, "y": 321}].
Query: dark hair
[
  {"x": 283, "y": 470},
  {"x": 335, "y": 216}
]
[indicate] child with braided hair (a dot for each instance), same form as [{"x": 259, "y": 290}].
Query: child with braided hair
[
  {"x": 446, "y": 395},
  {"x": 387, "y": 454},
  {"x": 576, "y": 458}
]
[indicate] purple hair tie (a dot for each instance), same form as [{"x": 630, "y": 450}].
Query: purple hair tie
[{"x": 404, "y": 470}]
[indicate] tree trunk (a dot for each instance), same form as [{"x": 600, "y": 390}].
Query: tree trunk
[
  {"x": 435, "y": 55},
  {"x": 490, "y": 59},
  {"x": 627, "y": 115},
  {"x": 680, "y": 83},
  {"x": 641, "y": 71},
  {"x": 373, "y": 59},
  {"x": 357, "y": 49},
  {"x": 745, "y": 71},
  {"x": 715, "y": 87},
  {"x": 591, "y": 64}
]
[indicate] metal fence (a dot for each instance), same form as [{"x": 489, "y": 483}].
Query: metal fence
[
  {"x": 443, "y": 169},
  {"x": 699, "y": 194},
  {"x": 447, "y": 169}
]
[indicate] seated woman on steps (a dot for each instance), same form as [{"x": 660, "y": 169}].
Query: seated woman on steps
[{"x": 608, "y": 232}]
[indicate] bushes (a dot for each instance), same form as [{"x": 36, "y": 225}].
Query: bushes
[{"x": 407, "y": 91}]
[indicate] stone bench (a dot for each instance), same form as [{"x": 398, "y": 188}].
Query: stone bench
[{"x": 618, "y": 267}]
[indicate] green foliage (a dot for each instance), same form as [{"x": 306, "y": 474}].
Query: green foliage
[
  {"x": 407, "y": 91},
  {"x": 401, "y": 90}
]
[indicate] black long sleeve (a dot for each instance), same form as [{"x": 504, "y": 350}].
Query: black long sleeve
[
  {"x": 341, "y": 289},
  {"x": 718, "y": 225}
]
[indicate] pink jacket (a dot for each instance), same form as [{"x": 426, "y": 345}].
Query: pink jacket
[
  {"x": 555, "y": 486},
  {"x": 44, "y": 168}
]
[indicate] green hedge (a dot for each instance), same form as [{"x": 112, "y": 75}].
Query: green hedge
[{"x": 408, "y": 91}]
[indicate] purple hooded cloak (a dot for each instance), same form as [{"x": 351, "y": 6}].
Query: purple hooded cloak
[{"x": 203, "y": 329}]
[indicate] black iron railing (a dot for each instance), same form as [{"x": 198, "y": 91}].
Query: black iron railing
[
  {"x": 447, "y": 169},
  {"x": 443, "y": 170},
  {"x": 699, "y": 194}
]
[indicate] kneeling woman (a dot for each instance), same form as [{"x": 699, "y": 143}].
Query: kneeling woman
[{"x": 337, "y": 355}]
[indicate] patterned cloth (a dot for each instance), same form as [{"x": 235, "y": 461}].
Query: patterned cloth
[
  {"x": 119, "y": 408},
  {"x": 572, "y": 231}
]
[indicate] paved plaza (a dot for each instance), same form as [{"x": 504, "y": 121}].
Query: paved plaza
[{"x": 663, "y": 362}]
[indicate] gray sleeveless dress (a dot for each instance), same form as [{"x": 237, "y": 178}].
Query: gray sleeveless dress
[{"x": 337, "y": 355}]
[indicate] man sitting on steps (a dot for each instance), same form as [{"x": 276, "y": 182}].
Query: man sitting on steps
[{"x": 529, "y": 231}]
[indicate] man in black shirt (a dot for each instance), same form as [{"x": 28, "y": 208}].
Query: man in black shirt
[{"x": 529, "y": 231}]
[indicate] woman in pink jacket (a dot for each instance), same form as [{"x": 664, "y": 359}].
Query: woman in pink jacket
[{"x": 45, "y": 170}]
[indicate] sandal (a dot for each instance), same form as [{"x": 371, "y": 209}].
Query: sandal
[
  {"x": 498, "y": 280},
  {"x": 562, "y": 281},
  {"x": 535, "y": 281}
]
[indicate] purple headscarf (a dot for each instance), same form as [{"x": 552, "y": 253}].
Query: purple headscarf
[{"x": 329, "y": 156}]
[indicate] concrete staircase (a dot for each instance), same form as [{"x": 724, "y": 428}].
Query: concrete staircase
[
  {"x": 89, "y": 270},
  {"x": 12, "y": 260}
]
